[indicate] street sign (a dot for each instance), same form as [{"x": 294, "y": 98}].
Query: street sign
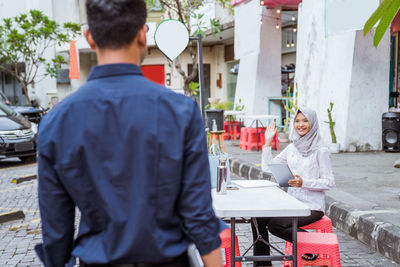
[{"x": 171, "y": 37}]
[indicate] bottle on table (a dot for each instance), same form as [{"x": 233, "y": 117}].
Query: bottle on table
[
  {"x": 222, "y": 172},
  {"x": 214, "y": 127}
]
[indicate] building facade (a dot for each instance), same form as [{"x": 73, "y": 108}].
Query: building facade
[
  {"x": 334, "y": 63},
  {"x": 217, "y": 53}
]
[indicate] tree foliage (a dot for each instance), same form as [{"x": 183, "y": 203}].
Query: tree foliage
[
  {"x": 24, "y": 39},
  {"x": 385, "y": 14},
  {"x": 187, "y": 11}
]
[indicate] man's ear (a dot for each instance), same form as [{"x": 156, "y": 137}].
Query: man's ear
[
  {"x": 141, "y": 36},
  {"x": 89, "y": 39}
]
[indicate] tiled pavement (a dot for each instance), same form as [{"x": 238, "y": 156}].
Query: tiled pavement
[
  {"x": 352, "y": 252},
  {"x": 17, "y": 238}
]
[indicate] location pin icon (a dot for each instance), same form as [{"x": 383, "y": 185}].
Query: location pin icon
[{"x": 171, "y": 37}]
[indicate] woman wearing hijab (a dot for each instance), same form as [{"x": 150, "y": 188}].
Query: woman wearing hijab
[{"x": 309, "y": 160}]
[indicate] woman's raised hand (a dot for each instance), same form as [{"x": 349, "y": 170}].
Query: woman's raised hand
[{"x": 270, "y": 133}]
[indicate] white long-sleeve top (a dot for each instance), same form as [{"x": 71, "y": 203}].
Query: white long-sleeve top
[{"x": 315, "y": 170}]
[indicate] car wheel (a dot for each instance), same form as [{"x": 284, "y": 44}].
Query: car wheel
[{"x": 28, "y": 159}]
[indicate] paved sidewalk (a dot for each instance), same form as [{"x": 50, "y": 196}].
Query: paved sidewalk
[
  {"x": 352, "y": 252},
  {"x": 18, "y": 238},
  {"x": 366, "y": 202},
  {"x": 355, "y": 173}
]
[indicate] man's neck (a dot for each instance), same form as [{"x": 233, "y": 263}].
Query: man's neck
[{"x": 128, "y": 55}]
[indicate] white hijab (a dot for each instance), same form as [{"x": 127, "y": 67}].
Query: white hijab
[{"x": 310, "y": 142}]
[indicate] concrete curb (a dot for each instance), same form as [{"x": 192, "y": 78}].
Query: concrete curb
[
  {"x": 362, "y": 220},
  {"x": 11, "y": 216},
  {"x": 24, "y": 179}
]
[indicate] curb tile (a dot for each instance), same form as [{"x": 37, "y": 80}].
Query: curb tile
[
  {"x": 244, "y": 170},
  {"x": 11, "y": 216}
]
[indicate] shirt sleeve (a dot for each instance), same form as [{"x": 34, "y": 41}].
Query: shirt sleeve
[
  {"x": 57, "y": 212},
  {"x": 326, "y": 180},
  {"x": 195, "y": 202},
  {"x": 266, "y": 158}
]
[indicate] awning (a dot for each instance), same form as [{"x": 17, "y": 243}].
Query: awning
[
  {"x": 280, "y": 3},
  {"x": 271, "y": 3},
  {"x": 396, "y": 23}
]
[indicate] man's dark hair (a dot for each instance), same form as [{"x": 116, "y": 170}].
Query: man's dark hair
[{"x": 115, "y": 23}]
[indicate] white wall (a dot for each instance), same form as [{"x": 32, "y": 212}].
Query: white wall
[
  {"x": 213, "y": 55},
  {"x": 369, "y": 93},
  {"x": 344, "y": 69},
  {"x": 258, "y": 47}
]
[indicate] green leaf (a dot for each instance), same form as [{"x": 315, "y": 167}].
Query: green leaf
[
  {"x": 377, "y": 15},
  {"x": 387, "y": 18}
]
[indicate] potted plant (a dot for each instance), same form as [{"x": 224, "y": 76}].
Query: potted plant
[
  {"x": 291, "y": 108},
  {"x": 232, "y": 126},
  {"x": 334, "y": 146},
  {"x": 215, "y": 112}
]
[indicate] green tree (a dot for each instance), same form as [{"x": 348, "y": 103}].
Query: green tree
[
  {"x": 23, "y": 41},
  {"x": 187, "y": 11},
  {"x": 384, "y": 14}
]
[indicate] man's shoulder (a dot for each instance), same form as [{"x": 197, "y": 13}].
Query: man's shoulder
[{"x": 169, "y": 97}]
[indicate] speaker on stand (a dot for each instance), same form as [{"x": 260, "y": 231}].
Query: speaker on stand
[{"x": 391, "y": 131}]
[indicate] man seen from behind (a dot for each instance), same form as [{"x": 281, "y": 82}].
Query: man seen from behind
[{"x": 131, "y": 155}]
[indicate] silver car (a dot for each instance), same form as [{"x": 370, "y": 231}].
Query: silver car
[{"x": 17, "y": 135}]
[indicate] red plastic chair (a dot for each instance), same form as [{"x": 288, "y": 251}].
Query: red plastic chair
[
  {"x": 318, "y": 243},
  {"x": 276, "y": 142},
  {"x": 226, "y": 244},
  {"x": 324, "y": 225}
]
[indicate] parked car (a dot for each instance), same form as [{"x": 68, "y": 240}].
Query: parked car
[
  {"x": 31, "y": 113},
  {"x": 17, "y": 135}
]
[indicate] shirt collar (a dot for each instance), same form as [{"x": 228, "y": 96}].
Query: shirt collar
[{"x": 108, "y": 70}]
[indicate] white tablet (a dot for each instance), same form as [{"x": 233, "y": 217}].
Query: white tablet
[{"x": 281, "y": 173}]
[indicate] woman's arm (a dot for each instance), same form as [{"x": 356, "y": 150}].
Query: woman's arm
[
  {"x": 326, "y": 180},
  {"x": 266, "y": 158}
]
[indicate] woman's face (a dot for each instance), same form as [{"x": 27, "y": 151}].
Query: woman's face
[{"x": 301, "y": 124}]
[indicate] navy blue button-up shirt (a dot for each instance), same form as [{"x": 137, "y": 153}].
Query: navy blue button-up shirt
[{"x": 132, "y": 156}]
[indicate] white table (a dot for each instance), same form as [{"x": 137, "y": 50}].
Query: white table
[
  {"x": 259, "y": 117},
  {"x": 233, "y": 113},
  {"x": 259, "y": 202}
]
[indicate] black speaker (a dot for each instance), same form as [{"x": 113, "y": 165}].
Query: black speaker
[{"x": 391, "y": 131}]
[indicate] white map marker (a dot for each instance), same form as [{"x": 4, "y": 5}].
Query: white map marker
[{"x": 171, "y": 37}]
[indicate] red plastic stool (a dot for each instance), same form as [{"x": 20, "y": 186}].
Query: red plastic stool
[
  {"x": 235, "y": 134},
  {"x": 226, "y": 244},
  {"x": 261, "y": 139},
  {"x": 323, "y": 225},
  {"x": 318, "y": 243},
  {"x": 252, "y": 139},
  {"x": 243, "y": 138},
  {"x": 275, "y": 142},
  {"x": 226, "y": 129}
]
